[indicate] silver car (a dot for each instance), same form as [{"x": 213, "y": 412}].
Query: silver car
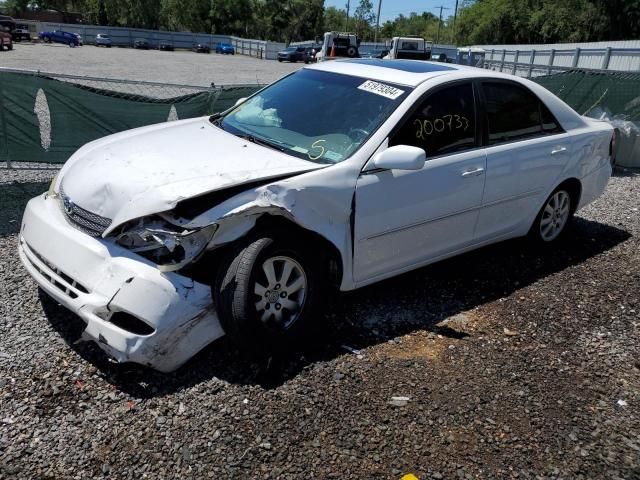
[{"x": 103, "y": 40}]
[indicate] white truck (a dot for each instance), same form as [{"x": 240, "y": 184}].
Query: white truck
[
  {"x": 339, "y": 44},
  {"x": 412, "y": 48}
]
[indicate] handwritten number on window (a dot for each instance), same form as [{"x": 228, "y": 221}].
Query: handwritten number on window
[
  {"x": 317, "y": 145},
  {"x": 446, "y": 123}
]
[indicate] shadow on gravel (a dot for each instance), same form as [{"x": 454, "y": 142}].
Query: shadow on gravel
[
  {"x": 626, "y": 172},
  {"x": 13, "y": 198},
  {"x": 414, "y": 301}
]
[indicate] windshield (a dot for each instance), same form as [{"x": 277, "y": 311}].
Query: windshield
[{"x": 319, "y": 116}]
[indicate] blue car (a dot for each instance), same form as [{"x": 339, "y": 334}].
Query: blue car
[
  {"x": 225, "y": 48},
  {"x": 58, "y": 36}
]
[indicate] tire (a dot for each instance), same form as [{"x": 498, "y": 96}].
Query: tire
[
  {"x": 554, "y": 216},
  {"x": 47, "y": 40},
  {"x": 73, "y": 45},
  {"x": 253, "y": 306},
  {"x": 352, "y": 52},
  {"x": 10, "y": 46}
]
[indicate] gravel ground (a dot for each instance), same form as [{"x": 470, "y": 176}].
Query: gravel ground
[
  {"x": 513, "y": 363},
  {"x": 181, "y": 67}
]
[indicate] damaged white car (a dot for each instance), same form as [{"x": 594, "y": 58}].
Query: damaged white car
[{"x": 164, "y": 238}]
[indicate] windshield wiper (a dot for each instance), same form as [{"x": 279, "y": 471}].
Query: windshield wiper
[
  {"x": 216, "y": 119},
  {"x": 260, "y": 141}
]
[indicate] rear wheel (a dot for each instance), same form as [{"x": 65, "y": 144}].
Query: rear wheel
[
  {"x": 10, "y": 46},
  {"x": 553, "y": 218},
  {"x": 352, "y": 52},
  {"x": 268, "y": 293}
]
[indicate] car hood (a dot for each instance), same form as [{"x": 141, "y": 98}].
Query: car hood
[{"x": 149, "y": 170}]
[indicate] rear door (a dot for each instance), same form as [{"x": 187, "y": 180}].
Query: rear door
[
  {"x": 526, "y": 152},
  {"x": 405, "y": 218}
]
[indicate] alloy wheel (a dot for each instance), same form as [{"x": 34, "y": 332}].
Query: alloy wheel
[
  {"x": 281, "y": 286},
  {"x": 555, "y": 215}
]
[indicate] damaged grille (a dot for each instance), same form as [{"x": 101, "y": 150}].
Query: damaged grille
[
  {"x": 54, "y": 275},
  {"x": 82, "y": 219}
]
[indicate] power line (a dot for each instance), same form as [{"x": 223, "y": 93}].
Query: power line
[
  {"x": 455, "y": 16},
  {"x": 378, "y": 21},
  {"x": 441, "y": 7}
]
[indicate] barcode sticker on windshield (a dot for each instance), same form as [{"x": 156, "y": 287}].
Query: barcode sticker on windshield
[{"x": 381, "y": 89}]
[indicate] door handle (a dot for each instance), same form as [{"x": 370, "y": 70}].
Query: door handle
[
  {"x": 473, "y": 173},
  {"x": 557, "y": 150}
]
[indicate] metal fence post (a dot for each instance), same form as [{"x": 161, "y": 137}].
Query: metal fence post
[
  {"x": 515, "y": 62},
  {"x": 606, "y": 59},
  {"x": 552, "y": 57},
  {"x": 576, "y": 58},
  {"x": 3, "y": 122},
  {"x": 531, "y": 62},
  {"x": 504, "y": 52}
]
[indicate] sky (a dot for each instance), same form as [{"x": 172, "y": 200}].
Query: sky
[{"x": 392, "y": 8}]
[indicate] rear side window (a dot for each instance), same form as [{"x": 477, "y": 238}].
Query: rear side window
[
  {"x": 514, "y": 113},
  {"x": 443, "y": 123}
]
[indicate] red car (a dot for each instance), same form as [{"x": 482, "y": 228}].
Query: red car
[{"x": 7, "y": 25}]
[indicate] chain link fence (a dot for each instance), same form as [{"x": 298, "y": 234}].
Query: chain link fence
[{"x": 45, "y": 117}]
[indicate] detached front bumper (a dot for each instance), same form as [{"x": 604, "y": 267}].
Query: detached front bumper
[{"x": 100, "y": 281}]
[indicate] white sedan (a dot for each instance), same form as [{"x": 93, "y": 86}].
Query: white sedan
[{"x": 342, "y": 174}]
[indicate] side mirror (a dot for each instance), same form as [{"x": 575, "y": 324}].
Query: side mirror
[
  {"x": 400, "y": 157},
  {"x": 239, "y": 101}
]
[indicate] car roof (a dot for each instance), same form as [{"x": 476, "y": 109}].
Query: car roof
[{"x": 403, "y": 72}]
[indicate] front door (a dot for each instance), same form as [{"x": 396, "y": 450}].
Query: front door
[{"x": 407, "y": 218}]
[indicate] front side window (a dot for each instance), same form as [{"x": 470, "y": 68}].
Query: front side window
[
  {"x": 443, "y": 123},
  {"x": 514, "y": 113},
  {"x": 319, "y": 116}
]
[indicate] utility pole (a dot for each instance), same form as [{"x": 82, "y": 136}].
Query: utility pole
[
  {"x": 441, "y": 7},
  {"x": 346, "y": 25},
  {"x": 378, "y": 21},
  {"x": 455, "y": 16}
]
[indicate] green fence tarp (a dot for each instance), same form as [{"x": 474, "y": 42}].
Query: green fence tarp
[
  {"x": 616, "y": 93},
  {"x": 19, "y": 127},
  {"x": 46, "y": 120}
]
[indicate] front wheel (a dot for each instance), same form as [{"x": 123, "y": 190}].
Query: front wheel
[
  {"x": 268, "y": 294},
  {"x": 553, "y": 218}
]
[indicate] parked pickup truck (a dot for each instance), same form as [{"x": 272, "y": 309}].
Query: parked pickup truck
[
  {"x": 5, "y": 40},
  {"x": 58, "y": 36},
  {"x": 7, "y": 25}
]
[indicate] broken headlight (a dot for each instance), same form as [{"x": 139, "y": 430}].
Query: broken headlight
[{"x": 169, "y": 246}]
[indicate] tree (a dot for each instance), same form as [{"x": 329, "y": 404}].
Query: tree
[
  {"x": 363, "y": 19},
  {"x": 548, "y": 21},
  {"x": 334, "y": 19}
]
